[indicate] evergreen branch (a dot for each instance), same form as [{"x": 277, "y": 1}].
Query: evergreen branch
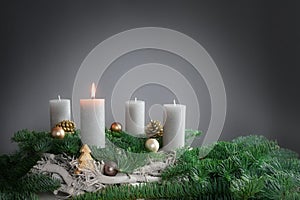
[
  {"x": 166, "y": 190},
  {"x": 247, "y": 187},
  {"x": 126, "y": 141},
  {"x": 38, "y": 183}
]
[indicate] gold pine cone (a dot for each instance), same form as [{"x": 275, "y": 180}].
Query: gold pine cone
[
  {"x": 67, "y": 125},
  {"x": 154, "y": 129}
]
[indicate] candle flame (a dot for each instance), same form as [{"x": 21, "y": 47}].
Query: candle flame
[
  {"x": 93, "y": 91},
  {"x": 58, "y": 97},
  {"x": 135, "y": 99},
  {"x": 174, "y": 102}
]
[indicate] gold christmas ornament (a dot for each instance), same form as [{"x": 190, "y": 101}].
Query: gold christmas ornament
[
  {"x": 68, "y": 126},
  {"x": 154, "y": 129},
  {"x": 58, "y": 132},
  {"x": 116, "y": 127},
  {"x": 152, "y": 145},
  {"x": 110, "y": 168},
  {"x": 85, "y": 159}
]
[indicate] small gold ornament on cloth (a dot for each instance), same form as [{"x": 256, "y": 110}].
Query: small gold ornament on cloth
[
  {"x": 85, "y": 159},
  {"x": 154, "y": 129},
  {"x": 67, "y": 125},
  {"x": 58, "y": 132},
  {"x": 152, "y": 145},
  {"x": 116, "y": 127}
]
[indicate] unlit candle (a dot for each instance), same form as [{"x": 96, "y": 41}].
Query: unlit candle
[
  {"x": 174, "y": 127},
  {"x": 135, "y": 117},
  {"x": 60, "y": 109}
]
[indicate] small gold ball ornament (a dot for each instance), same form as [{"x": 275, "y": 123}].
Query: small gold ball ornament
[
  {"x": 154, "y": 129},
  {"x": 152, "y": 145},
  {"x": 68, "y": 126},
  {"x": 116, "y": 127},
  {"x": 58, "y": 132}
]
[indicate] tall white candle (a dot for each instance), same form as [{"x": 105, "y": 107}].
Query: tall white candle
[
  {"x": 60, "y": 109},
  {"x": 135, "y": 117},
  {"x": 174, "y": 127},
  {"x": 92, "y": 120}
]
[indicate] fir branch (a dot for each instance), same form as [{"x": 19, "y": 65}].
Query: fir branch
[
  {"x": 16, "y": 183},
  {"x": 247, "y": 187},
  {"x": 42, "y": 142},
  {"x": 17, "y": 165},
  {"x": 166, "y": 190},
  {"x": 126, "y": 141},
  {"x": 38, "y": 183},
  {"x": 282, "y": 185}
]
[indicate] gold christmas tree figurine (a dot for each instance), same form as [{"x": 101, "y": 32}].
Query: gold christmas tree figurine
[{"x": 85, "y": 159}]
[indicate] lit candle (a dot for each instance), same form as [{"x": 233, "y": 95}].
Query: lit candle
[
  {"x": 174, "y": 127},
  {"x": 60, "y": 110},
  {"x": 135, "y": 117},
  {"x": 92, "y": 120}
]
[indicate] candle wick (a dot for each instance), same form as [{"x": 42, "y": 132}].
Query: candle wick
[
  {"x": 58, "y": 97},
  {"x": 174, "y": 102}
]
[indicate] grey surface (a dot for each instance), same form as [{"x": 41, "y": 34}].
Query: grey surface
[{"x": 254, "y": 44}]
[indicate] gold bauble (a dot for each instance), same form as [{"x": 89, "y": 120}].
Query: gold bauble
[
  {"x": 154, "y": 129},
  {"x": 152, "y": 145},
  {"x": 68, "y": 126},
  {"x": 58, "y": 132},
  {"x": 116, "y": 127}
]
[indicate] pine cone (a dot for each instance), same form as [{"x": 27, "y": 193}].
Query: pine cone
[
  {"x": 67, "y": 125},
  {"x": 154, "y": 129}
]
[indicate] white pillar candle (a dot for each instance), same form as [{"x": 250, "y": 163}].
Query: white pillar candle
[
  {"x": 135, "y": 117},
  {"x": 174, "y": 127},
  {"x": 92, "y": 120},
  {"x": 60, "y": 109}
]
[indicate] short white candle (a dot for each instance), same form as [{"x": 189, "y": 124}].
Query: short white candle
[
  {"x": 135, "y": 117},
  {"x": 60, "y": 109},
  {"x": 174, "y": 127},
  {"x": 92, "y": 120}
]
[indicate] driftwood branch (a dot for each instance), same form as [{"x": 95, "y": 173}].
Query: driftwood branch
[
  {"x": 62, "y": 167},
  {"x": 54, "y": 168}
]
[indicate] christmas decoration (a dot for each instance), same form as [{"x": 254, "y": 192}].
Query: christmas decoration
[
  {"x": 60, "y": 167},
  {"x": 85, "y": 160},
  {"x": 110, "y": 168},
  {"x": 152, "y": 145},
  {"x": 58, "y": 132},
  {"x": 249, "y": 167},
  {"x": 154, "y": 129},
  {"x": 116, "y": 127},
  {"x": 68, "y": 126}
]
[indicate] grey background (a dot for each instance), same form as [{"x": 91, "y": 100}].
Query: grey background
[{"x": 255, "y": 45}]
